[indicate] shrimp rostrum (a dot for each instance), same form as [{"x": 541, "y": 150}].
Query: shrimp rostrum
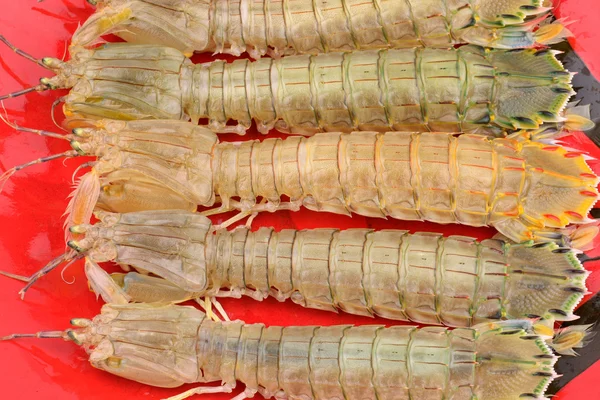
[
  {"x": 422, "y": 277},
  {"x": 169, "y": 346},
  {"x": 303, "y": 26},
  {"x": 526, "y": 190},
  {"x": 468, "y": 90}
]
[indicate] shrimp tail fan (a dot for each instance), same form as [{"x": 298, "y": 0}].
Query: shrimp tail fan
[
  {"x": 513, "y": 361},
  {"x": 545, "y": 280},
  {"x": 535, "y": 88}
]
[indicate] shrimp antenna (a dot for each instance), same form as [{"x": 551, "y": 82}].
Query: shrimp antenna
[
  {"x": 6, "y": 175},
  {"x": 69, "y": 334},
  {"x": 39, "y": 132},
  {"x": 66, "y": 257},
  {"x": 70, "y": 153},
  {"x": 62, "y": 273},
  {"x": 38, "y": 88},
  {"x": 40, "y": 335},
  {"x": 53, "y": 113},
  {"x": 43, "y": 86},
  {"x": 24, "y": 54},
  {"x": 79, "y": 168}
]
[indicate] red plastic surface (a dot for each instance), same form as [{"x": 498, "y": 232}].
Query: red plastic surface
[{"x": 31, "y": 233}]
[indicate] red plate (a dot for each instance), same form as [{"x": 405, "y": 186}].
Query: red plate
[{"x": 31, "y": 232}]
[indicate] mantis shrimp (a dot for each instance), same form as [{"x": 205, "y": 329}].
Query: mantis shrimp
[
  {"x": 422, "y": 277},
  {"x": 466, "y": 90},
  {"x": 169, "y": 346},
  {"x": 526, "y": 190},
  {"x": 301, "y": 26}
]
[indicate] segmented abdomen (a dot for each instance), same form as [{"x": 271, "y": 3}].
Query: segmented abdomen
[
  {"x": 465, "y": 90},
  {"x": 373, "y": 362},
  {"x": 424, "y": 277},
  {"x": 517, "y": 187},
  {"x": 292, "y": 26},
  {"x": 366, "y": 362}
]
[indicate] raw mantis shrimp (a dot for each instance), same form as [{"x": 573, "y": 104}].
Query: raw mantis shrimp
[
  {"x": 466, "y": 90},
  {"x": 303, "y": 26},
  {"x": 169, "y": 346},
  {"x": 526, "y": 190},
  {"x": 422, "y": 277}
]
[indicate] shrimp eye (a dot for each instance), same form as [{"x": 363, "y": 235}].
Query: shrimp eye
[
  {"x": 75, "y": 246},
  {"x": 81, "y": 322},
  {"x": 78, "y": 229},
  {"x": 52, "y": 63},
  {"x": 77, "y": 147},
  {"x": 73, "y": 336},
  {"x": 46, "y": 82}
]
